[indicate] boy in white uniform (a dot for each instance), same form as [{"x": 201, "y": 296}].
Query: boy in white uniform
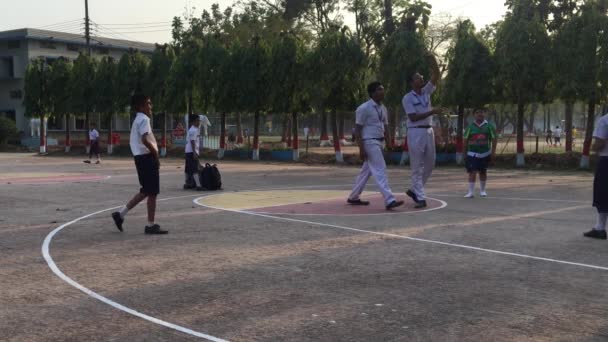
[
  {"x": 600, "y": 181},
  {"x": 370, "y": 131},
  {"x": 193, "y": 140},
  {"x": 94, "y": 144}
]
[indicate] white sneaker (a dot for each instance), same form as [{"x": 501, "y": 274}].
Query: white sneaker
[
  {"x": 469, "y": 195},
  {"x": 483, "y": 194}
]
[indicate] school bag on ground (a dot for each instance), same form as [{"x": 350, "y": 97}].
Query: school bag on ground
[{"x": 210, "y": 177}]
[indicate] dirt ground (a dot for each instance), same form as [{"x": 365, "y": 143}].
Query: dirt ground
[{"x": 510, "y": 267}]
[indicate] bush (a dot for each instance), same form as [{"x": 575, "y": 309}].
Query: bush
[{"x": 8, "y": 129}]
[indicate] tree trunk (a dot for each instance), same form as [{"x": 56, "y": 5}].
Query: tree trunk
[
  {"x": 588, "y": 133},
  {"x": 239, "y": 128},
  {"x": 341, "y": 127},
  {"x": 110, "y": 146},
  {"x": 568, "y": 125},
  {"x": 256, "y": 136},
  {"x": 68, "y": 142},
  {"x": 520, "y": 134},
  {"x": 324, "y": 136},
  {"x": 389, "y": 25},
  {"x": 163, "y": 137},
  {"x": 42, "y": 134},
  {"x": 190, "y": 105},
  {"x": 220, "y": 154},
  {"x": 284, "y": 128},
  {"x": 87, "y": 123},
  {"x": 334, "y": 130},
  {"x": 459, "y": 135},
  {"x": 296, "y": 139}
]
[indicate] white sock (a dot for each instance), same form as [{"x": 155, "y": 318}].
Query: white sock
[
  {"x": 482, "y": 186},
  {"x": 150, "y": 224},
  {"x": 123, "y": 211},
  {"x": 471, "y": 187},
  {"x": 601, "y": 221}
]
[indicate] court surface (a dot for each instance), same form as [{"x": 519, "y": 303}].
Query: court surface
[{"x": 278, "y": 256}]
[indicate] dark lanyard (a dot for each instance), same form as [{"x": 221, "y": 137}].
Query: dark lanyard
[{"x": 379, "y": 111}]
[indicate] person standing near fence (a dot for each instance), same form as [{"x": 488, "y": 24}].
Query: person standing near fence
[
  {"x": 94, "y": 144},
  {"x": 420, "y": 135},
  {"x": 558, "y": 136},
  {"x": 193, "y": 139},
  {"x": 480, "y": 142},
  {"x": 371, "y": 131},
  {"x": 549, "y": 137},
  {"x": 600, "y": 181}
]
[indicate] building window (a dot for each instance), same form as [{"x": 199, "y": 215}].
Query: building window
[
  {"x": 16, "y": 94},
  {"x": 48, "y": 45},
  {"x": 14, "y": 44},
  {"x": 7, "y": 67},
  {"x": 103, "y": 51},
  {"x": 73, "y": 47}
]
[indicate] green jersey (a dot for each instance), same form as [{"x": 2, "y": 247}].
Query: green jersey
[{"x": 478, "y": 137}]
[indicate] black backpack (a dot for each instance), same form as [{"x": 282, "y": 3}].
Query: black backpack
[{"x": 210, "y": 177}]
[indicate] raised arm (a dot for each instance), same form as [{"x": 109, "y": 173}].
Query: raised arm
[{"x": 435, "y": 73}]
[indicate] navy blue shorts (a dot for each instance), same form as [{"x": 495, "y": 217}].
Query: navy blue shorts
[
  {"x": 191, "y": 164},
  {"x": 474, "y": 164},
  {"x": 148, "y": 174},
  {"x": 600, "y": 185}
]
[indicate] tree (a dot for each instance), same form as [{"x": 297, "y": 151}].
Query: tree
[
  {"x": 37, "y": 99},
  {"x": 470, "y": 73},
  {"x": 83, "y": 90},
  {"x": 521, "y": 49},
  {"x": 61, "y": 95},
  {"x": 107, "y": 95},
  {"x": 156, "y": 85},
  {"x": 131, "y": 76}
]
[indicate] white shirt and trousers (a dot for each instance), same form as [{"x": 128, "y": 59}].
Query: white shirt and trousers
[
  {"x": 420, "y": 138},
  {"x": 372, "y": 117}
]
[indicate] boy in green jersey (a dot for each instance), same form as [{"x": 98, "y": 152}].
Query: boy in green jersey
[{"x": 480, "y": 144}]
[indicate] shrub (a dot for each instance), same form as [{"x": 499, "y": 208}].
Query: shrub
[{"x": 8, "y": 129}]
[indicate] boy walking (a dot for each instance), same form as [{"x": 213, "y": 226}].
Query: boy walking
[
  {"x": 192, "y": 152},
  {"x": 145, "y": 152},
  {"x": 558, "y": 136},
  {"x": 94, "y": 144},
  {"x": 480, "y": 142}
]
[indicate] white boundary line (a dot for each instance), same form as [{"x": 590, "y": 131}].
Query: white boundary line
[
  {"x": 443, "y": 204},
  {"x": 479, "y": 249},
  {"x": 60, "y": 274}
]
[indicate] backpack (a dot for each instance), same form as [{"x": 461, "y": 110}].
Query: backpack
[{"x": 210, "y": 177}]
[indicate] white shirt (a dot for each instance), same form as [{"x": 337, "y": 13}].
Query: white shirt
[
  {"x": 194, "y": 134},
  {"x": 141, "y": 126},
  {"x": 93, "y": 134},
  {"x": 419, "y": 104},
  {"x": 558, "y": 132},
  {"x": 204, "y": 124},
  {"x": 372, "y": 116},
  {"x": 601, "y": 131}
]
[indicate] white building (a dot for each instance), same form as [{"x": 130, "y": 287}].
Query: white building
[{"x": 18, "y": 47}]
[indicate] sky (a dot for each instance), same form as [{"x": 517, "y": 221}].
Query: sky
[{"x": 150, "y": 20}]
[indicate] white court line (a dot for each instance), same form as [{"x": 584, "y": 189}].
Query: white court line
[
  {"x": 60, "y": 274},
  {"x": 479, "y": 249},
  {"x": 519, "y": 199}
]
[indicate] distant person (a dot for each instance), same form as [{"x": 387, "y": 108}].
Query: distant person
[
  {"x": 306, "y": 131},
  {"x": 93, "y": 144},
  {"x": 193, "y": 140},
  {"x": 371, "y": 131},
  {"x": 147, "y": 162},
  {"x": 558, "y": 136},
  {"x": 480, "y": 142},
  {"x": 204, "y": 128},
  {"x": 549, "y": 137},
  {"x": 600, "y": 182}
]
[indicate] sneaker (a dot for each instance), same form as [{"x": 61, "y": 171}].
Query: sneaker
[
  {"x": 118, "y": 220},
  {"x": 86, "y": 161},
  {"x": 97, "y": 162},
  {"x": 596, "y": 234},
  {"x": 469, "y": 195},
  {"x": 189, "y": 186},
  {"x": 410, "y": 193},
  {"x": 394, "y": 204},
  {"x": 357, "y": 202},
  {"x": 420, "y": 204},
  {"x": 483, "y": 194},
  {"x": 155, "y": 229}
]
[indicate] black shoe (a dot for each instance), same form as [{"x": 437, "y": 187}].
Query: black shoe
[
  {"x": 596, "y": 234},
  {"x": 199, "y": 188},
  {"x": 189, "y": 186},
  {"x": 412, "y": 195},
  {"x": 357, "y": 202},
  {"x": 118, "y": 220},
  {"x": 394, "y": 204},
  {"x": 86, "y": 161},
  {"x": 420, "y": 204},
  {"x": 155, "y": 229}
]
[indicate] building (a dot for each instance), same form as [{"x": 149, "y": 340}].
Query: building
[{"x": 18, "y": 47}]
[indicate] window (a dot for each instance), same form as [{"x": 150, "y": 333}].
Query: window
[
  {"x": 16, "y": 94},
  {"x": 14, "y": 44},
  {"x": 48, "y": 45},
  {"x": 8, "y": 114},
  {"x": 73, "y": 47},
  {"x": 7, "y": 68},
  {"x": 103, "y": 51}
]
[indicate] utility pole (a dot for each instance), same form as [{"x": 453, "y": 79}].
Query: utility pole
[{"x": 87, "y": 28}]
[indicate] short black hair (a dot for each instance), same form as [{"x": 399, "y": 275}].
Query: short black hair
[
  {"x": 410, "y": 78},
  {"x": 480, "y": 109},
  {"x": 138, "y": 100},
  {"x": 372, "y": 87},
  {"x": 193, "y": 117}
]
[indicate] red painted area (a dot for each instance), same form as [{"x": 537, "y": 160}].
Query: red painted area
[
  {"x": 52, "y": 179},
  {"x": 339, "y": 207}
]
